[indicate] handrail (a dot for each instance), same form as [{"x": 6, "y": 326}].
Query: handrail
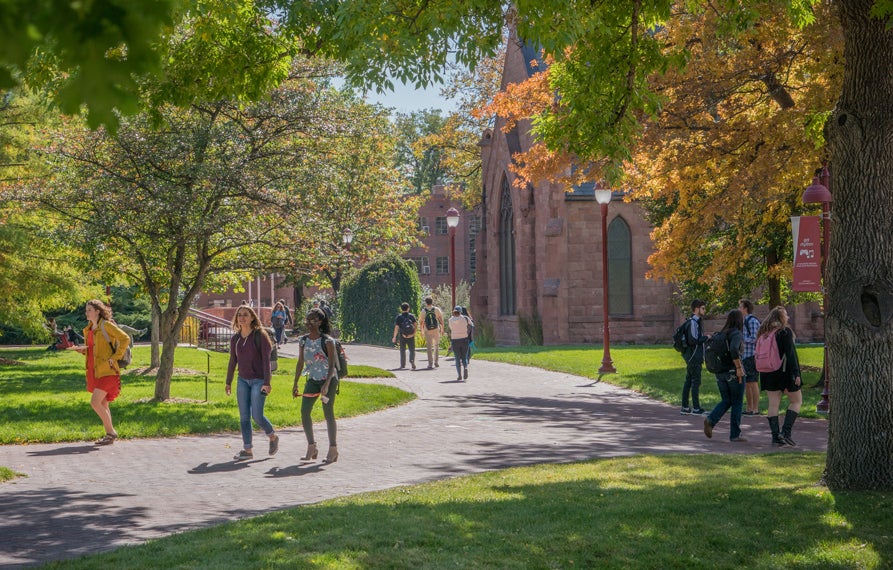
[
  {"x": 203, "y": 316},
  {"x": 203, "y": 329}
]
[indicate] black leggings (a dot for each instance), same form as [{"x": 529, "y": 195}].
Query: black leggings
[{"x": 328, "y": 410}]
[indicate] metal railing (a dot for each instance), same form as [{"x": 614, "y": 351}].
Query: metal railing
[{"x": 205, "y": 330}]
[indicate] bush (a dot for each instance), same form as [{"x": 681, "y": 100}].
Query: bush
[
  {"x": 370, "y": 298},
  {"x": 530, "y": 329}
]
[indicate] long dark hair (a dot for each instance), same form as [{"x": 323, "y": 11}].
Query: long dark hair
[
  {"x": 324, "y": 326},
  {"x": 734, "y": 321}
]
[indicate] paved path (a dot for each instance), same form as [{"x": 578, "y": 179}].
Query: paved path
[{"x": 78, "y": 498}]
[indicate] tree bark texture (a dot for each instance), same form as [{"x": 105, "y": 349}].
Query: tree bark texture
[{"x": 859, "y": 324}]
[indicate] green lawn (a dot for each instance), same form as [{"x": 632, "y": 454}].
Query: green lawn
[
  {"x": 44, "y": 399},
  {"x": 709, "y": 511},
  {"x": 657, "y": 371},
  {"x": 7, "y": 474}
]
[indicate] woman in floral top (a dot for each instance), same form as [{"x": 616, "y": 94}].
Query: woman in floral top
[{"x": 322, "y": 381}]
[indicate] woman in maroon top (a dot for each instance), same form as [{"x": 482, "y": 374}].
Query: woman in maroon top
[{"x": 250, "y": 349}]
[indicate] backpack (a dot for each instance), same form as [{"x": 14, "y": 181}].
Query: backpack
[
  {"x": 717, "y": 355},
  {"x": 680, "y": 337},
  {"x": 407, "y": 324},
  {"x": 767, "y": 356},
  {"x": 431, "y": 322},
  {"x": 125, "y": 360},
  {"x": 341, "y": 361}
]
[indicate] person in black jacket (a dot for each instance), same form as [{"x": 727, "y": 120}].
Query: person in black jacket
[
  {"x": 785, "y": 380},
  {"x": 694, "y": 358},
  {"x": 730, "y": 382}
]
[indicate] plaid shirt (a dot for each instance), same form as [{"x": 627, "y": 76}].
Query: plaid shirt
[{"x": 751, "y": 327}]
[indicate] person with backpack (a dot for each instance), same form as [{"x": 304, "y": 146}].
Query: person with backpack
[
  {"x": 729, "y": 377},
  {"x": 776, "y": 359},
  {"x": 460, "y": 327},
  {"x": 433, "y": 318},
  {"x": 748, "y": 360},
  {"x": 318, "y": 355},
  {"x": 249, "y": 350},
  {"x": 278, "y": 318},
  {"x": 405, "y": 326},
  {"x": 103, "y": 351},
  {"x": 693, "y": 353}
]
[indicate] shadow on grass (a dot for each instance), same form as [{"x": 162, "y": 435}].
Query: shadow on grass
[{"x": 668, "y": 512}]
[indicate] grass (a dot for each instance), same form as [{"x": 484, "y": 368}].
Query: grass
[
  {"x": 656, "y": 371},
  {"x": 7, "y": 474},
  {"x": 45, "y": 400},
  {"x": 709, "y": 511}
]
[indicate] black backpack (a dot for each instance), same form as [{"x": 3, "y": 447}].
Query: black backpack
[
  {"x": 407, "y": 324},
  {"x": 680, "y": 337},
  {"x": 717, "y": 356},
  {"x": 431, "y": 319}
]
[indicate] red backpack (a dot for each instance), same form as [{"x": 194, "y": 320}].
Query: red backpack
[{"x": 767, "y": 356}]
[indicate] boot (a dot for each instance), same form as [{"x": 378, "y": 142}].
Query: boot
[
  {"x": 332, "y": 455},
  {"x": 312, "y": 452},
  {"x": 777, "y": 439},
  {"x": 789, "y": 418}
]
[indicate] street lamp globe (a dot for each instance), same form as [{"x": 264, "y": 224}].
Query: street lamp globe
[
  {"x": 347, "y": 238},
  {"x": 603, "y": 195},
  {"x": 452, "y": 217}
]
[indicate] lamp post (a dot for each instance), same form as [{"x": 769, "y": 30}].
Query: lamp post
[
  {"x": 452, "y": 219},
  {"x": 603, "y": 197},
  {"x": 818, "y": 192},
  {"x": 347, "y": 238}
]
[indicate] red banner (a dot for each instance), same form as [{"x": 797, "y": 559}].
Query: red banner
[{"x": 807, "y": 253}]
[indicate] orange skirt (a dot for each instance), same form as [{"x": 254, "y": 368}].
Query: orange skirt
[{"x": 111, "y": 385}]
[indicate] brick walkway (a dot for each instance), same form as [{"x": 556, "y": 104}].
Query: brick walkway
[{"x": 78, "y": 498}]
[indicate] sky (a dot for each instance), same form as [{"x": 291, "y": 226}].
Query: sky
[{"x": 406, "y": 99}]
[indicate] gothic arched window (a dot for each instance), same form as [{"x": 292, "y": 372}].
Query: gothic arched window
[
  {"x": 506, "y": 251},
  {"x": 620, "y": 268}
]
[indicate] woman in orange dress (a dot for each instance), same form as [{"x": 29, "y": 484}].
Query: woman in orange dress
[{"x": 103, "y": 373}]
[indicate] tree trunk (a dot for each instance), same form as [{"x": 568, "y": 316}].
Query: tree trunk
[
  {"x": 155, "y": 361},
  {"x": 170, "y": 335},
  {"x": 859, "y": 328},
  {"x": 774, "y": 282}
]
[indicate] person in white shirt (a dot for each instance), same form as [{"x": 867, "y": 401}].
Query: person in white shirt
[{"x": 459, "y": 325}]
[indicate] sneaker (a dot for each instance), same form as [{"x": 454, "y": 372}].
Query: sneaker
[
  {"x": 413, "y": 365},
  {"x": 685, "y": 411},
  {"x": 708, "y": 427},
  {"x": 697, "y": 411},
  {"x": 738, "y": 439},
  {"x": 750, "y": 413},
  {"x": 244, "y": 455},
  {"x": 465, "y": 374},
  {"x": 274, "y": 444},
  {"x": 436, "y": 365}
]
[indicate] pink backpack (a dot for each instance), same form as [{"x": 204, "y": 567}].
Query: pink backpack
[{"x": 767, "y": 356}]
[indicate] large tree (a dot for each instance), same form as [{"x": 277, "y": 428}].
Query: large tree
[{"x": 185, "y": 194}]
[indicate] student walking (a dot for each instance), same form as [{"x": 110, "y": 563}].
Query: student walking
[
  {"x": 459, "y": 339},
  {"x": 730, "y": 381},
  {"x": 785, "y": 379},
  {"x": 433, "y": 317},
  {"x": 278, "y": 319},
  {"x": 694, "y": 358},
  {"x": 405, "y": 325},
  {"x": 322, "y": 381},
  {"x": 748, "y": 361},
  {"x": 249, "y": 350},
  {"x": 104, "y": 345}
]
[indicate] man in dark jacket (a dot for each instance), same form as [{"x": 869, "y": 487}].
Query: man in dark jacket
[
  {"x": 694, "y": 358},
  {"x": 405, "y": 326}
]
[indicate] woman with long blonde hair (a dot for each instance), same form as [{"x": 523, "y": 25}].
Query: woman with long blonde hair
[
  {"x": 249, "y": 349},
  {"x": 785, "y": 380}
]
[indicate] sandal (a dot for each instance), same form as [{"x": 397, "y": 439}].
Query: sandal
[{"x": 107, "y": 439}]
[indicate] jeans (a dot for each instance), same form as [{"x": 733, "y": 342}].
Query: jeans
[
  {"x": 732, "y": 394},
  {"x": 460, "y": 351},
  {"x": 404, "y": 344},
  {"x": 279, "y": 331},
  {"x": 251, "y": 405},
  {"x": 693, "y": 382}
]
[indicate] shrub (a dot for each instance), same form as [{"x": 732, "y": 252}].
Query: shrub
[
  {"x": 530, "y": 329},
  {"x": 370, "y": 298}
]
